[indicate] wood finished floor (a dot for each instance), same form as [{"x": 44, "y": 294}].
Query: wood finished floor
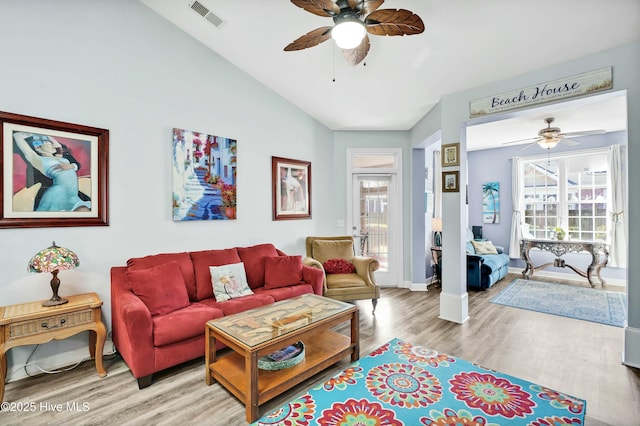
[{"x": 576, "y": 357}]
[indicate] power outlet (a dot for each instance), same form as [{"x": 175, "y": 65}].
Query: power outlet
[{"x": 340, "y": 223}]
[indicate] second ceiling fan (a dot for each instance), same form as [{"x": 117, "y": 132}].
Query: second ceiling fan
[
  {"x": 353, "y": 19},
  {"x": 549, "y": 137}
]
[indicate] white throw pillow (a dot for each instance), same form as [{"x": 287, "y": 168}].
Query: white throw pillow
[
  {"x": 484, "y": 247},
  {"x": 229, "y": 281}
]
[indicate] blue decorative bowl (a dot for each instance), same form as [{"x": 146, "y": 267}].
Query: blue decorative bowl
[{"x": 283, "y": 358}]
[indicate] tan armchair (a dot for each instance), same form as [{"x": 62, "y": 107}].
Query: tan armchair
[{"x": 355, "y": 286}]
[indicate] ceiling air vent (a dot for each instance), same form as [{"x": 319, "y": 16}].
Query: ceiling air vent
[{"x": 207, "y": 14}]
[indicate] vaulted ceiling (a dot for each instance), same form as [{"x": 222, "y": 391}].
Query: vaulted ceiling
[{"x": 466, "y": 43}]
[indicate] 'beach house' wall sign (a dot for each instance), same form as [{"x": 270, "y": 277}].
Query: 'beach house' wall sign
[{"x": 577, "y": 85}]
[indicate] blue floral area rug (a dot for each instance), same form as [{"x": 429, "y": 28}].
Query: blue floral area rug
[
  {"x": 404, "y": 384},
  {"x": 585, "y": 303}
]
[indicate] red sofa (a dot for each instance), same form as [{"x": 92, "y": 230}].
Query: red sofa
[{"x": 161, "y": 303}]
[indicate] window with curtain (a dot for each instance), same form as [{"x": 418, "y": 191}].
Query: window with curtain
[{"x": 568, "y": 192}]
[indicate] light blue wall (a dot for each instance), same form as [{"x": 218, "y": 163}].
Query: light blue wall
[
  {"x": 346, "y": 140},
  {"x": 118, "y": 65}
]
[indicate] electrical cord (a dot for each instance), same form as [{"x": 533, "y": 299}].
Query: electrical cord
[{"x": 110, "y": 356}]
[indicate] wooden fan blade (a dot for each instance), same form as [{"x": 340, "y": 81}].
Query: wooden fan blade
[
  {"x": 310, "y": 39},
  {"x": 353, "y": 4},
  {"x": 393, "y": 22},
  {"x": 356, "y": 55},
  {"x": 365, "y": 6},
  {"x": 585, "y": 133},
  {"x": 318, "y": 7}
]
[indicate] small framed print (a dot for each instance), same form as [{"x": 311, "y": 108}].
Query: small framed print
[
  {"x": 450, "y": 182},
  {"x": 291, "y": 181},
  {"x": 450, "y": 155}
]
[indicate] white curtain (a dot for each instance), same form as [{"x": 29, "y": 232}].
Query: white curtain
[
  {"x": 618, "y": 239},
  {"x": 516, "y": 216}
]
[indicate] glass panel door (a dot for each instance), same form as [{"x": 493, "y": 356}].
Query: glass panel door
[{"x": 372, "y": 222}]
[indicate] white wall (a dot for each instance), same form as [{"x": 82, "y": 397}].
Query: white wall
[{"x": 118, "y": 65}]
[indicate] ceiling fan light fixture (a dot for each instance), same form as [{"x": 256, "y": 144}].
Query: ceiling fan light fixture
[
  {"x": 548, "y": 143},
  {"x": 348, "y": 34}
]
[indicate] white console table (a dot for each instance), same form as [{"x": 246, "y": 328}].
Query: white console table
[{"x": 599, "y": 256}]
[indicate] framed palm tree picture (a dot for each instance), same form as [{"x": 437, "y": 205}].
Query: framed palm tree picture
[{"x": 491, "y": 202}]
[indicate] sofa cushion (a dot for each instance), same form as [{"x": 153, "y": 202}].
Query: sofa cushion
[
  {"x": 338, "y": 266},
  {"x": 287, "y": 292},
  {"x": 345, "y": 281},
  {"x": 282, "y": 271},
  {"x": 241, "y": 304},
  {"x": 183, "y": 324},
  {"x": 161, "y": 288},
  {"x": 201, "y": 262},
  {"x": 324, "y": 250},
  {"x": 253, "y": 259},
  {"x": 229, "y": 281},
  {"x": 494, "y": 262},
  {"x": 182, "y": 259},
  {"x": 484, "y": 247}
]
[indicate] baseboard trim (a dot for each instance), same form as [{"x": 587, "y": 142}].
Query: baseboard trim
[
  {"x": 631, "y": 354},
  {"x": 454, "y": 307}
]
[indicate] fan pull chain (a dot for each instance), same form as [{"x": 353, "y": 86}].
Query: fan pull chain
[{"x": 334, "y": 64}]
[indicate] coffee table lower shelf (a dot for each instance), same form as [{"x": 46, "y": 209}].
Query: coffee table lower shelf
[{"x": 321, "y": 351}]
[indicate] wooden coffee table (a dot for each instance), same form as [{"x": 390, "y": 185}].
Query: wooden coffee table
[{"x": 255, "y": 333}]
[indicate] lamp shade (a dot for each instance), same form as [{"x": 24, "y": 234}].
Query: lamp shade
[
  {"x": 436, "y": 224},
  {"x": 348, "y": 34},
  {"x": 53, "y": 258},
  {"x": 548, "y": 143}
]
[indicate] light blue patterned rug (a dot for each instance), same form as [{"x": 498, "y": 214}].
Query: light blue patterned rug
[
  {"x": 585, "y": 303},
  {"x": 402, "y": 384}
]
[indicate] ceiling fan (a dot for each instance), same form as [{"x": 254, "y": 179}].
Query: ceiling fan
[
  {"x": 549, "y": 137},
  {"x": 353, "y": 19}
]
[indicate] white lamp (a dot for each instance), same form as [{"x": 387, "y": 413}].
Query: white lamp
[
  {"x": 549, "y": 143},
  {"x": 436, "y": 227},
  {"x": 349, "y": 33}
]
